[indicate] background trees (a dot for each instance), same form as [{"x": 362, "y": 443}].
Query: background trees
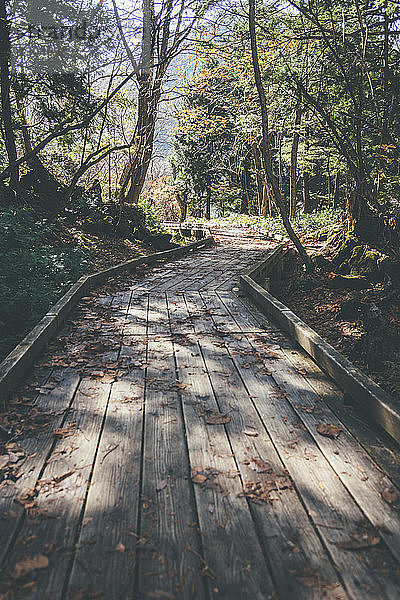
[{"x": 331, "y": 75}]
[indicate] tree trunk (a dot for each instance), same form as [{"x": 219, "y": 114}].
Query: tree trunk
[
  {"x": 306, "y": 193},
  {"x": 336, "y": 192},
  {"x": 181, "y": 198},
  {"x": 293, "y": 163},
  {"x": 265, "y": 200},
  {"x": 259, "y": 175},
  {"x": 271, "y": 179},
  {"x": 245, "y": 202},
  {"x": 208, "y": 203},
  {"x": 8, "y": 129}
]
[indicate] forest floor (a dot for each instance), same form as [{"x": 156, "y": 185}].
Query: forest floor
[{"x": 375, "y": 352}]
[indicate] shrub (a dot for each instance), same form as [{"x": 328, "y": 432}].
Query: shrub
[{"x": 36, "y": 267}]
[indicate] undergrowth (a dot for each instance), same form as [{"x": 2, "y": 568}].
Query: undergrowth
[
  {"x": 36, "y": 267},
  {"x": 303, "y": 224}
]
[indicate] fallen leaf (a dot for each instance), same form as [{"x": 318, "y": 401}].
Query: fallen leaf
[
  {"x": 40, "y": 561},
  {"x": 198, "y": 477},
  {"x": 203, "y": 474},
  {"x": 162, "y": 485},
  {"x": 390, "y": 495},
  {"x": 4, "y": 460},
  {"x": 250, "y": 432},
  {"x": 358, "y": 542},
  {"x": 331, "y": 431},
  {"x": 260, "y": 465},
  {"x": 216, "y": 418}
]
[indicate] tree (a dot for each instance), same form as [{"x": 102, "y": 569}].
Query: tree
[
  {"x": 164, "y": 36},
  {"x": 270, "y": 176}
]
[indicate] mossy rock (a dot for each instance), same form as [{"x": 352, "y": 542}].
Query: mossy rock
[
  {"x": 351, "y": 282},
  {"x": 344, "y": 251},
  {"x": 365, "y": 262}
]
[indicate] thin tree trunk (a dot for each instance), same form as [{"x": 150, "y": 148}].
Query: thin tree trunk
[
  {"x": 271, "y": 179},
  {"x": 208, "y": 203},
  {"x": 8, "y": 129},
  {"x": 245, "y": 203},
  {"x": 293, "y": 163},
  {"x": 336, "y": 193},
  {"x": 306, "y": 193},
  {"x": 259, "y": 175}
]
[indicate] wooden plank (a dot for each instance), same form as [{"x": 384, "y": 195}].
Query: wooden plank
[
  {"x": 300, "y": 564},
  {"x": 333, "y": 510},
  {"x": 36, "y": 445},
  {"x": 180, "y": 320},
  {"x": 158, "y": 319},
  {"x": 379, "y": 445},
  {"x": 219, "y": 313},
  {"x": 136, "y": 318},
  {"x": 168, "y": 559},
  {"x": 232, "y": 566},
  {"x": 61, "y": 493},
  {"x": 105, "y": 556},
  {"x": 198, "y": 312},
  {"x": 53, "y": 523},
  {"x": 379, "y": 404},
  {"x": 243, "y": 317},
  {"x": 352, "y": 464}
]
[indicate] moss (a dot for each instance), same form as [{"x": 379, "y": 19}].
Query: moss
[
  {"x": 344, "y": 252},
  {"x": 365, "y": 262}
]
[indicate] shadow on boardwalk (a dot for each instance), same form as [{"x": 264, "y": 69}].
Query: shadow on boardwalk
[{"x": 169, "y": 449}]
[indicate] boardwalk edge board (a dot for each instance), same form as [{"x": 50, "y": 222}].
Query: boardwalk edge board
[
  {"x": 379, "y": 405},
  {"x": 15, "y": 364}
]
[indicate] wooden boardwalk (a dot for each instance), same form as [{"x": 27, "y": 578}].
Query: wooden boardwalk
[{"x": 175, "y": 445}]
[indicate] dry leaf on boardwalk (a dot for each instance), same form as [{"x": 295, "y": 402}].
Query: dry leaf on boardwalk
[
  {"x": 250, "y": 432},
  {"x": 265, "y": 491},
  {"x": 390, "y": 495},
  {"x": 359, "y": 541},
  {"x": 40, "y": 561},
  {"x": 204, "y": 476},
  {"x": 162, "y": 485},
  {"x": 261, "y": 466},
  {"x": 216, "y": 418},
  {"x": 66, "y": 431},
  {"x": 331, "y": 431}
]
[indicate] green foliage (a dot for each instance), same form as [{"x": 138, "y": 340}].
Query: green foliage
[
  {"x": 152, "y": 220},
  {"x": 35, "y": 269},
  {"x": 303, "y": 224}
]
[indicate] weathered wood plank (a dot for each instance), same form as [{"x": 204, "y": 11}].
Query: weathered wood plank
[
  {"x": 105, "y": 554},
  {"x": 232, "y": 556},
  {"x": 333, "y": 510},
  {"x": 135, "y": 322},
  {"x": 300, "y": 564},
  {"x": 36, "y": 445},
  {"x": 244, "y": 318},
  {"x": 167, "y": 566},
  {"x": 61, "y": 493},
  {"x": 198, "y": 312},
  {"x": 352, "y": 464}
]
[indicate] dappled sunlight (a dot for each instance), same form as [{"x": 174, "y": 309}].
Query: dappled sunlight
[{"x": 189, "y": 449}]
